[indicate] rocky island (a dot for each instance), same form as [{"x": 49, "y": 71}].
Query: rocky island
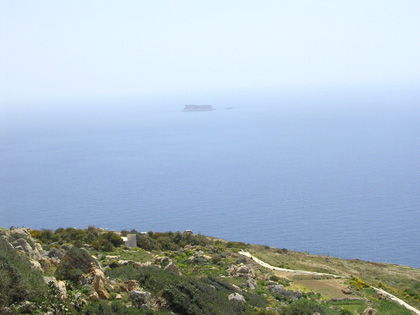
[
  {"x": 197, "y": 108},
  {"x": 94, "y": 271}
]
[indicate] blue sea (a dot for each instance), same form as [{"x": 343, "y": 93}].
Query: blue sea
[{"x": 333, "y": 178}]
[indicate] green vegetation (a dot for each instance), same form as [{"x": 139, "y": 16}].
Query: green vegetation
[
  {"x": 76, "y": 262},
  {"x": 117, "y": 307},
  {"x": 304, "y": 307},
  {"x": 107, "y": 242},
  {"x": 390, "y": 308},
  {"x": 348, "y": 306},
  {"x": 183, "y": 273},
  {"x": 19, "y": 281},
  {"x": 77, "y": 237},
  {"x": 169, "y": 241},
  {"x": 188, "y": 295},
  {"x": 357, "y": 283}
]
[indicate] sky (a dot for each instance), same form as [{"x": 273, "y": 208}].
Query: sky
[{"x": 58, "y": 50}]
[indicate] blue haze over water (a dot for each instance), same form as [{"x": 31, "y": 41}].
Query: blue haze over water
[{"x": 342, "y": 182}]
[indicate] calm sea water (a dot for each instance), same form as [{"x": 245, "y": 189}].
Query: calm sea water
[{"x": 341, "y": 182}]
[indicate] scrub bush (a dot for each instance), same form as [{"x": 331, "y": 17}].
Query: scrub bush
[{"x": 19, "y": 281}]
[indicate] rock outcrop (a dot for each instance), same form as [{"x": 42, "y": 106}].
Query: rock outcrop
[
  {"x": 280, "y": 290},
  {"x": 173, "y": 268},
  {"x": 251, "y": 283},
  {"x": 370, "y": 311},
  {"x": 74, "y": 263},
  {"x": 99, "y": 283},
  {"x": 236, "y": 297},
  {"x": 96, "y": 278}
]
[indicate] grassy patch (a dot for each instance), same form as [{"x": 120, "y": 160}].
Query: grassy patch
[
  {"x": 352, "y": 306},
  {"x": 390, "y": 308}
]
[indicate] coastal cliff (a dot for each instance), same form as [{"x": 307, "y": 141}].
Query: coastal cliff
[{"x": 90, "y": 271}]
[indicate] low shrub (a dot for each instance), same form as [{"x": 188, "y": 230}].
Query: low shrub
[
  {"x": 189, "y": 295},
  {"x": 390, "y": 308},
  {"x": 116, "y": 307},
  {"x": 304, "y": 307},
  {"x": 18, "y": 280},
  {"x": 357, "y": 283},
  {"x": 74, "y": 263}
]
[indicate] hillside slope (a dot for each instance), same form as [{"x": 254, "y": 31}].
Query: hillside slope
[{"x": 89, "y": 271}]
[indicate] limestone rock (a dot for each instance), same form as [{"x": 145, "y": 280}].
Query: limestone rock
[
  {"x": 24, "y": 245},
  {"x": 173, "y": 268},
  {"x": 138, "y": 265},
  {"x": 22, "y": 232},
  {"x": 98, "y": 283},
  {"x": 140, "y": 297},
  {"x": 231, "y": 270},
  {"x": 236, "y": 297},
  {"x": 36, "y": 265},
  {"x": 241, "y": 260},
  {"x": 280, "y": 290},
  {"x": 347, "y": 291},
  {"x": 243, "y": 269},
  {"x": 26, "y": 241},
  {"x": 131, "y": 285},
  {"x": 49, "y": 279},
  {"x": 55, "y": 253},
  {"x": 94, "y": 297},
  {"x": 251, "y": 283},
  {"x": 370, "y": 311},
  {"x": 38, "y": 247},
  {"x": 61, "y": 285}
]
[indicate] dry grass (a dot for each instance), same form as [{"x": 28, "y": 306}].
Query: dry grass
[
  {"x": 330, "y": 288},
  {"x": 397, "y": 277}
]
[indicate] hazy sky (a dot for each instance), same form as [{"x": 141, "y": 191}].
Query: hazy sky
[{"x": 87, "y": 49}]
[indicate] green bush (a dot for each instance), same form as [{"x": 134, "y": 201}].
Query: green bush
[
  {"x": 107, "y": 242},
  {"x": 18, "y": 280},
  {"x": 116, "y": 307},
  {"x": 73, "y": 236},
  {"x": 188, "y": 295},
  {"x": 357, "y": 283},
  {"x": 74, "y": 263},
  {"x": 415, "y": 295},
  {"x": 239, "y": 245},
  {"x": 169, "y": 240},
  {"x": 216, "y": 258}
]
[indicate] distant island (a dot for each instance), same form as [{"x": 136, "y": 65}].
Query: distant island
[
  {"x": 95, "y": 271},
  {"x": 197, "y": 108}
]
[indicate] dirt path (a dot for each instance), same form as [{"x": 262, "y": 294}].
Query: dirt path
[
  {"x": 303, "y": 272},
  {"x": 300, "y": 272},
  {"x": 397, "y": 300}
]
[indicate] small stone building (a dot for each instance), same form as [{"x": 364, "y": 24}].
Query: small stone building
[{"x": 130, "y": 241}]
